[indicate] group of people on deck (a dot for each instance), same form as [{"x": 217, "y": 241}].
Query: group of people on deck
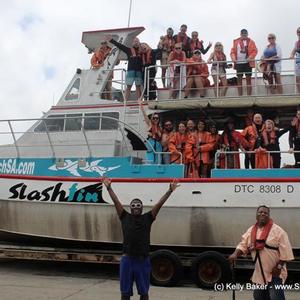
[
  {"x": 194, "y": 144},
  {"x": 181, "y": 56}
]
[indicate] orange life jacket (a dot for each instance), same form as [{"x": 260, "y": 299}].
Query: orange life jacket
[
  {"x": 182, "y": 38},
  {"x": 197, "y": 69},
  {"x": 251, "y": 50},
  {"x": 177, "y": 144},
  {"x": 259, "y": 243},
  {"x": 168, "y": 43},
  {"x": 147, "y": 57},
  {"x": 99, "y": 56},
  {"x": 195, "y": 45},
  {"x": 263, "y": 160},
  {"x": 177, "y": 56}
]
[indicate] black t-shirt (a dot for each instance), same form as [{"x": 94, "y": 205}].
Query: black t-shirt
[
  {"x": 136, "y": 233},
  {"x": 135, "y": 63}
]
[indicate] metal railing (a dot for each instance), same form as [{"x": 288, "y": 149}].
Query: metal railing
[
  {"x": 114, "y": 84},
  {"x": 257, "y": 78},
  {"x": 50, "y": 131},
  {"x": 227, "y": 154}
]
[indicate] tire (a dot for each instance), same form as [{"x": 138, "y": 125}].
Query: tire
[
  {"x": 210, "y": 268},
  {"x": 166, "y": 268}
]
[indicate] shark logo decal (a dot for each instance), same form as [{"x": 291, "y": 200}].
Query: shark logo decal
[{"x": 72, "y": 167}]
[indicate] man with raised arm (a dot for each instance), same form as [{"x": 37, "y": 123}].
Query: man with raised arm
[{"x": 136, "y": 227}]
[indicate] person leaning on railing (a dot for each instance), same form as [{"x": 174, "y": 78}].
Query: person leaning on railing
[
  {"x": 272, "y": 136},
  {"x": 218, "y": 69},
  {"x": 231, "y": 140},
  {"x": 177, "y": 144},
  {"x": 197, "y": 151},
  {"x": 294, "y": 137},
  {"x": 272, "y": 68},
  {"x": 255, "y": 138},
  {"x": 197, "y": 75},
  {"x": 296, "y": 52}
]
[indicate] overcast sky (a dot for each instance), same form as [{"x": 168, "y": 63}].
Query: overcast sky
[{"x": 41, "y": 40}]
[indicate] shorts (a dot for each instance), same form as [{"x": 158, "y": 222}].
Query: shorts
[
  {"x": 242, "y": 69},
  {"x": 134, "y": 76},
  {"x": 215, "y": 72},
  {"x": 135, "y": 269}
]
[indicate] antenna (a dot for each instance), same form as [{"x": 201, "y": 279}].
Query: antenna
[{"x": 129, "y": 13}]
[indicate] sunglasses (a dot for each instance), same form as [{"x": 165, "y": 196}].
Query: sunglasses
[
  {"x": 271, "y": 38},
  {"x": 136, "y": 205},
  {"x": 194, "y": 35},
  {"x": 178, "y": 48},
  {"x": 155, "y": 118}
]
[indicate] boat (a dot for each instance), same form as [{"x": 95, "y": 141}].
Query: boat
[{"x": 51, "y": 173}]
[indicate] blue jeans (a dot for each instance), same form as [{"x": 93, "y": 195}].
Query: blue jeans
[{"x": 271, "y": 292}]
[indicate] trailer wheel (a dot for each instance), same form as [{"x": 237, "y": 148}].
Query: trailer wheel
[
  {"x": 210, "y": 268},
  {"x": 167, "y": 269}
]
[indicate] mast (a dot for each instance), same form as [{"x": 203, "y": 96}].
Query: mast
[{"x": 129, "y": 13}]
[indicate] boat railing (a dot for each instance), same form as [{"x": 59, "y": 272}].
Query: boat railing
[
  {"x": 230, "y": 155},
  {"x": 260, "y": 85},
  {"x": 19, "y": 134},
  {"x": 115, "y": 84}
]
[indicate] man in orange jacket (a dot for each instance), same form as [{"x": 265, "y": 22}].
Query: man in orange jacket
[{"x": 243, "y": 53}]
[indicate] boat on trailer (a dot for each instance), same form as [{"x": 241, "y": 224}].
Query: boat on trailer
[{"x": 51, "y": 190}]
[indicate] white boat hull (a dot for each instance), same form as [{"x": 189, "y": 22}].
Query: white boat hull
[{"x": 211, "y": 213}]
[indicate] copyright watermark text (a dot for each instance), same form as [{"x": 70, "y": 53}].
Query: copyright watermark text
[{"x": 220, "y": 287}]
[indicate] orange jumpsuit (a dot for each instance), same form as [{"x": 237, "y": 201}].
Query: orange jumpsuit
[
  {"x": 177, "y": 144},
  {"x": 197, "y": 153}
]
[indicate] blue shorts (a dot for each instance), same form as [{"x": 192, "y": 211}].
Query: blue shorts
[
  {"x": 135, "y": 269},
  {"x": 134, "y": 76}
]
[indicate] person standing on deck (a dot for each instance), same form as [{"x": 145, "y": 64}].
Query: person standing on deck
[
  {"x": 243, "y": 54},
  {"x": 272, "y": 135},
  {"x": 136, "y": 228},
  {"x": 182, "y": 38},
  {"x": 154, "y": 137},
  {"x": 294, "y": 137},
  {"x": 296, "y": 52},
  {"x": 166, "y": 44},
  {"x": 135, "y": 66},
  {"x": 195, "y": 44},
  {"x": 270, "y": 249},
  {"x": 255, "y": 138}
]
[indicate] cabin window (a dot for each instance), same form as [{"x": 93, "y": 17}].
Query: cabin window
[
  {"x": 108, "y": 124},
  {"x": 73, "y": 122},
  {"x": 92, "y": 121},
  {"x": 73, "y": 93},
  {"x": 53, "y": 123}
]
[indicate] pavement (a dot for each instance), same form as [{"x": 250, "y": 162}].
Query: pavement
[{"x": 29, "y": 280}]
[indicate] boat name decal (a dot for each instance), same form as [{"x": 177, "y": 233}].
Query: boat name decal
[
  {"x": 90, "y": 193},
  {"x": 73, "y": 168},
  {"x": 12, "y": 166}
]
